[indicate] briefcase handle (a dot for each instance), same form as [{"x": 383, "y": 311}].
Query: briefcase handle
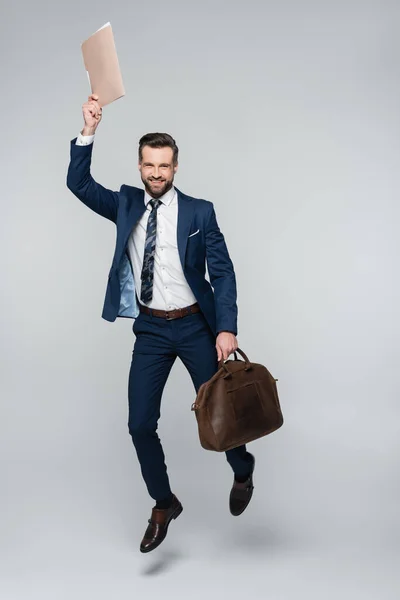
[{"x": 247, "y": 364}]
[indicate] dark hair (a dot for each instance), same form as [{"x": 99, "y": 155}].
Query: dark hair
[{"x": 159, "y": 140}]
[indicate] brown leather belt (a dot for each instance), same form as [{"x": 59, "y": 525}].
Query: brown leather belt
[{"x": 176, "y": 313}]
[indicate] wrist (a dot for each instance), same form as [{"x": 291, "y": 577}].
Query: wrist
[{"x": 88, "y": 130}]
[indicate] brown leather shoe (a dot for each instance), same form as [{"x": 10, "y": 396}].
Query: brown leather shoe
[
  {"x": 241, "y": 493},
  {"x": 158, "y": 525}
]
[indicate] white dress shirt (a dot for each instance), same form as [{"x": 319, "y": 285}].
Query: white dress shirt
[{"x": 170, "y": 288}]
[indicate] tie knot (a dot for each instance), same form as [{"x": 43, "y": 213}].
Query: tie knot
[{"x": 155, "y": 202}]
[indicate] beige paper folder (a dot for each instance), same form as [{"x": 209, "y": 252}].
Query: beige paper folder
[{"x": 102, "y": 66}]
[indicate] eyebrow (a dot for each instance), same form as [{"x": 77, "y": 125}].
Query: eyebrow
[{"x": 149, "y": 164}]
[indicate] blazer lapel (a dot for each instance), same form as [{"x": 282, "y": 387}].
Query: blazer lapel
[
  {"x": 185, "y": 216},
  {"x": 136, "y": 210}
]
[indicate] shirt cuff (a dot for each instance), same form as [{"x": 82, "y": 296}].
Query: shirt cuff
[{"x": 84, "y": 140}]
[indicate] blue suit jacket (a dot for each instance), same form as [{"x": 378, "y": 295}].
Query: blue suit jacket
[{"x": 125, "y": 207}]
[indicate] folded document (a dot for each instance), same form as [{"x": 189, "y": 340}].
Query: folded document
[{"x": 102, "y": 66}]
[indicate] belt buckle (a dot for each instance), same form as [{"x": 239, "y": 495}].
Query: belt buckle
[{"x": 167, "y": 315}]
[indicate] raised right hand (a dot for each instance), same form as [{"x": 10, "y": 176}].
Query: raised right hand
[{"x": 92, "y": 114}]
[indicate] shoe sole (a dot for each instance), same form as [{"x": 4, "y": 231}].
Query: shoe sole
[{"x": 174, "y": 515}]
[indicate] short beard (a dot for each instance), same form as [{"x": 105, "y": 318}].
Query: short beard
[{"x": 163, "y": 190}]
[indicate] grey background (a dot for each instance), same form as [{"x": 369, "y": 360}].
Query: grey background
[{"x": 287, "y": 118}]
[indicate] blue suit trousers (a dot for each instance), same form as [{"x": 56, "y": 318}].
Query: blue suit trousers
[{"x": 158, "y": 342}]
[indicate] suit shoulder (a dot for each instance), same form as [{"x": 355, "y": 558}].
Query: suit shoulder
[
  {"x": 130, "y": 193},
  {"x": 130, "y": 188},
  {"x": 203, "y": 204}
]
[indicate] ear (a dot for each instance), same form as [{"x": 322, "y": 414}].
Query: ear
[{"x": 176, "y": 167}]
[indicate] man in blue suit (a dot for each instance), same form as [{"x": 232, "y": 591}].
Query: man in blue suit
[{"x": 157, "y": 277}]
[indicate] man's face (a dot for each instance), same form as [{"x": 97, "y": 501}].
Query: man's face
[{"x": 157, "y": 170}]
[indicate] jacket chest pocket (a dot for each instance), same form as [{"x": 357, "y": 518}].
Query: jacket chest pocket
[
  {"x": 195, "y": 249},
  {"x": 194, "y": 238}
]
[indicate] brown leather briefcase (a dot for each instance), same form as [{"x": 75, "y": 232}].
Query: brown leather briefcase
[{"x": 237, "y": 405}]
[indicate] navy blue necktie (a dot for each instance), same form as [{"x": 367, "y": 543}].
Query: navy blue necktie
[{"x": 146, "y": 292}]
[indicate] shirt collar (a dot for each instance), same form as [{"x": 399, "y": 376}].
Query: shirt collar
[{"x": 165, "y": 198}]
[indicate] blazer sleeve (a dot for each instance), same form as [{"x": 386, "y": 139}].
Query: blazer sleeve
[
  {"x": 222, "y": 276},
  {"x": 81, "y": 183}
]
